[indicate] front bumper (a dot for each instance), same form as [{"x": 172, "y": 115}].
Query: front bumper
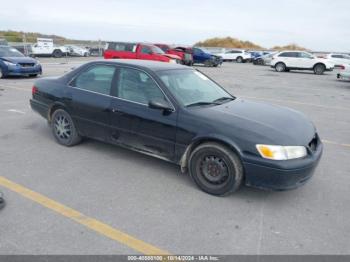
[
  {"x": 23, "y": 71},
  {"x": 288, "y": 174}
]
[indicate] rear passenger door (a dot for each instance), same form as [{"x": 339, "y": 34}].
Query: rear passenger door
[
  {"x": 90, "y": 100},
  {"x": 290, "y": 59},
  {"x": 136, "y": 125}
]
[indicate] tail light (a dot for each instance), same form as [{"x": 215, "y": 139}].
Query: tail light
[
  {"x": 34, "y": 90},
  {"x": 341, "y": 67}
]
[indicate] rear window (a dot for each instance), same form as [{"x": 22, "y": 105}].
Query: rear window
[{"x": 122, "y": 47}]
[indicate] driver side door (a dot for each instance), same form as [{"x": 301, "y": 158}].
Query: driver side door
[{"x": 134, "y": 124}]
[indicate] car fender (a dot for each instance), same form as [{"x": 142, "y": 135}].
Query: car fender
[
  {"x": 53, "y": 107},
  {"x": 207, "y": 138}
]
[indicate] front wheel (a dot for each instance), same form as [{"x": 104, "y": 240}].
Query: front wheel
[
  {"x": 239, "y": 59},
  {"x": 63, "y": 128},
  {"x": 208, "y": 63},
  {"x": 319, "y": 69},
  {"x": 215, "y": 169}
]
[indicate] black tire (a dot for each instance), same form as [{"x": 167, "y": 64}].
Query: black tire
[
  {"x": 239, "y": 59},
  {"x": 215, "y": 169},
  {"x": 208, "y": 63},
  {"x": 280, "y": 67},
  {"x": 57, "y": 53},
  {"x": 261, "y": 62},
  {"x": 1, "y": 73},
  {"x": 319, "y": 69},
  {"x": 63, "y": 128},
  {"x": 33, "y": 75}
]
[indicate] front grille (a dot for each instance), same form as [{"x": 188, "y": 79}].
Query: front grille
[
  {"x": 27, "y": 64},
  {"x": 314, "y": 143}
]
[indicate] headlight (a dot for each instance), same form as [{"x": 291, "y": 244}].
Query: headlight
[
  {"x": 281, "y": 152},
  {"x": 9, "y": 63}
]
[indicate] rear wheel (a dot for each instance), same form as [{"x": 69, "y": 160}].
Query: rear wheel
[
  {"x": 215, "y": 169},
  {"x": 1, "y": 73},
  {"x": 63, "y": 128},
  {"x": 57, "y": 53},
  {"x": 239, "y": 59},
  {"x": 319, "y": 69},
  {"x": 280, "y": 67}
]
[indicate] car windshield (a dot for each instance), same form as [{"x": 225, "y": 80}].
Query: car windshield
[
  {"x": 190, "y": 87},
  {"x": 157, "y": 50},
  {"x": 10, "y": 52}
]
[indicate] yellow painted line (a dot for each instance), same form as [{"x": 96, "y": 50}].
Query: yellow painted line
[
  {"x": 86, "y": 221},
  {"x": 296, "y": 102},
  {"x": 335, "y": 143}
]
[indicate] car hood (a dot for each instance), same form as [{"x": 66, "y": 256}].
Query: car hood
[
  {"x": 16, "y": 60},
  {"x": 262, "y": 123}
]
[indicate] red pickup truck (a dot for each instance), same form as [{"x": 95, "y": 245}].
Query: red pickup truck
[
  {"x": 184, "y": 53},
  {"x": 120, "y": 50}
]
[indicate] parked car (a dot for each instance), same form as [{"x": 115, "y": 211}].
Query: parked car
[
  {"x": 300, "y": 60},
  {"x": 46, "y": 47},
  {"x": 202, "y": 57},
  {"x": 14, "y": 63},
  {"x": 120, "y": 50},
  {"x": 185, "y": 55},
  {"x": 3, "y": 41},
  {"x": 240, "y": 56},
  {"x": 338, "y": 59},
  {"x": 178, "y": 114},
  {"x": 77, "y": 50},
  {"x": 94, "y": 51},
  {"x": 264, "y": 59},
  {"x": 344, "y": 73}
]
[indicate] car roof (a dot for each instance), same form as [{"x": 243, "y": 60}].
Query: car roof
[{"x": 143, "y": 64}]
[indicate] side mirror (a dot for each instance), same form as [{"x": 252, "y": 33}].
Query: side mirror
[{"x": 161, "y": 105}]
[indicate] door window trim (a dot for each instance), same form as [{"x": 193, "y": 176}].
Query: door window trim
[
  {"x": 69, "y": 84},
  {"x": 133, "y": 68}
]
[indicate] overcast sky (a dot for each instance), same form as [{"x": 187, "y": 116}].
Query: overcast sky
[{"x": 315, "y": 24}]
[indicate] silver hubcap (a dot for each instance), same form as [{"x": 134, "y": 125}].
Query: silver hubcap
[{"x": 62, "y": 127}]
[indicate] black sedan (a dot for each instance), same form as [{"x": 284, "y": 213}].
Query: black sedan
[{"x": 180, "y": 115}]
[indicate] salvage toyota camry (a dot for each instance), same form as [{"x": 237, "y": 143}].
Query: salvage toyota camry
[{"x": 179, "y": 114}]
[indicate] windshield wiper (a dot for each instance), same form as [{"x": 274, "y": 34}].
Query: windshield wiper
[
  {"x": 223, "y": 99},
  {"x": 202, "y": 104}
]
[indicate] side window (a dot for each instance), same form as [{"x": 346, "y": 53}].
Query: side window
[
  {"x": 304, "y": 55},
  {"x": 137, "y": 86},
  {"x": 96, "y": 79},
  {"x": 337, "y": 56},
  {"x": 146, "y": 50},
  {"x": 289, "y": 54}
]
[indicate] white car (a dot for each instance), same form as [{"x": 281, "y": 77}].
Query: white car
[
  {"x": 344, "y": 73},
  {"x": 300, "y": 60},
  {"x": 77, "y": 50},
  {"x": 240, "y": 56},
  {"x": 338, "y": 59}
]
